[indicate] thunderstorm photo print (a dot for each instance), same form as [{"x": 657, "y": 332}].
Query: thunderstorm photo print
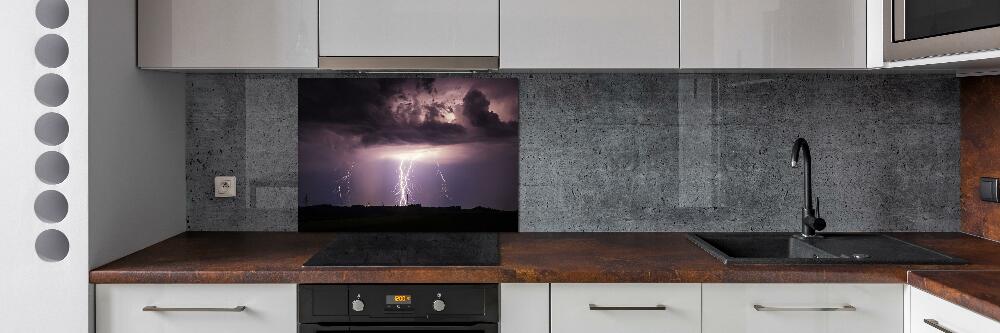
[{"x": 408, "y": 154}]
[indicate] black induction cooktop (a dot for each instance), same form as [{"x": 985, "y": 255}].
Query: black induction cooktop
[{"x": 409, "y": 249}]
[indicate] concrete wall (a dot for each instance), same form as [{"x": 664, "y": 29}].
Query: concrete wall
[{"x": 639, "y": 152}]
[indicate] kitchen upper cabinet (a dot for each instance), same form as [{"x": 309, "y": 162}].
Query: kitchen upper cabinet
[
  {"x": 589, "y": 34},
  {"x": 408, "y": 28},
  {"x": 626, "y": 307},
  {"x": 180, "y": 34},
  {"x": 196, "y": 308},
  {"x": 802, "y": 308},
  {"x": 775, "y": 34},
  {"x": 930, "y": 314}
]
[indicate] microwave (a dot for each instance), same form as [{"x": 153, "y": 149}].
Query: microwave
[{"x": 915, "y": 29}]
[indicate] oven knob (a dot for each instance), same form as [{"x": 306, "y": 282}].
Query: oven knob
[
  {"x": 358, "y": 305},
  {"x": 438, "y": 305}
]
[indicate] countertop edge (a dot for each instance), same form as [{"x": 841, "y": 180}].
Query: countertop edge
[{"x": 941, "y": 283}]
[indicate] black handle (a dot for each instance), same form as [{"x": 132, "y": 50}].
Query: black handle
[{"x": 935, "y": 324}]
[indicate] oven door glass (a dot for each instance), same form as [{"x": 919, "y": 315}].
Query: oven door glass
[{"x": 929, "y": 18}]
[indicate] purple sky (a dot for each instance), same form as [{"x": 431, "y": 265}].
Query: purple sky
[{"x": 456, "y": 138}]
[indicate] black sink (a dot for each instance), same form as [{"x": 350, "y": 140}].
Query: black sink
[{"x": 835, "y": 248}]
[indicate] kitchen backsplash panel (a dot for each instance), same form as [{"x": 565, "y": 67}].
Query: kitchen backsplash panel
[
  {"x": 981, "y": 147},
  {"x": 638, "y": 152}
]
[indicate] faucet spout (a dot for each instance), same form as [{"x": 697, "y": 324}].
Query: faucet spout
[
  {"x": 810, "y": 222},
  {"x": 801, "y": 145}
]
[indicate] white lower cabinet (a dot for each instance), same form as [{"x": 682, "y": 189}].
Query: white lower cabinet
[
  {"x": 802, "y": 308},
  {"x": 625, "y": 308},
  {"x": 568, "y": 307},
  {"x": 524, "y": 308},
  {"x": 201, "y": 308},
  {"x": 930, "y": 314}
]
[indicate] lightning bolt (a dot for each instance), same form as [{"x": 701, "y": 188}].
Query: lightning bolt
[
  {"x": 403, "y": 187},
  {"x": 444, "y": 182},
  {"x": 344, "y": 184}
]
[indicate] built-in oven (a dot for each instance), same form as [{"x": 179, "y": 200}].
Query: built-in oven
[
  {"x": 928, "y": 28},
  {"x": 386, "y": 308}
]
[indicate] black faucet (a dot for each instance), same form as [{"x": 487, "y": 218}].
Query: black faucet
[{"x": 810, "y": 221}]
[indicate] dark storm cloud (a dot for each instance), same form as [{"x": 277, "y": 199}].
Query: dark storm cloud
[
  {"x": 426, "y": 133},
  {"x": 426, "y": 85},
  {"x": 353, "y": 103},
  {"x": 436, "y": 111},
  {"x": 387, "y": 111},
  {"x": 476, "y": 108}
]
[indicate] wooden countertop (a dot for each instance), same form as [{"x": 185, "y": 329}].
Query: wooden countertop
[
  {"x": 266, "y": 257},
  {"x": 274, "y": 257},
  {"x": 978, "y": 291}
]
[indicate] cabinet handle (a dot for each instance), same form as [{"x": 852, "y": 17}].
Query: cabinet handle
[
  {"x": 657, "y": 307},
  {"x": 154, "y": 308},
  {"x": 759, "y": 307},
  {"x": 935, "y": 324}
]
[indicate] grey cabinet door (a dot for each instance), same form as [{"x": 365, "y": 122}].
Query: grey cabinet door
[
  {"x": 774, "y": 34},
  {"x": 409, "y": 28},
  {"x": 219, "y": 34},
  {"x": 585, "y": 34}
]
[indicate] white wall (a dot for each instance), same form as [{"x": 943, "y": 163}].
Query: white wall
[
  {"x": 38, "y": 295},
  {"x": 137, "y": 186},
  {"x": 126, "y": 128}
]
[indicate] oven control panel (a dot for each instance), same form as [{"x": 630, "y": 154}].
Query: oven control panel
[
  {"x": 398, "y": 303},
  {"x": 421, "y": 300}
]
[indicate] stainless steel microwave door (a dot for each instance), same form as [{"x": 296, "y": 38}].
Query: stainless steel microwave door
[
  {"x": 915, "y": 29},
  {"x": 931, "y": 18}
]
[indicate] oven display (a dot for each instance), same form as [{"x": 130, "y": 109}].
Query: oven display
[
  {"x": 398, "y": 303},
  {"x": 398, "y": 299}
]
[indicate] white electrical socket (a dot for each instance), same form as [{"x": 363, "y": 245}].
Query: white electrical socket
[{"x": 225, "y": 187}]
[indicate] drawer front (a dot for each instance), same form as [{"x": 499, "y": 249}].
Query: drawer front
[
  {"x": 656, "y": 308},
  {"x": 946, "y": 315},
  {"x": 800, "y": 308},
  {"x": 524, "y": 308},
  {"x": 269, "y": 308}
]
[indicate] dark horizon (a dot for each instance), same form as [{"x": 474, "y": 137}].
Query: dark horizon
[{"x": 412, "y": 218}]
